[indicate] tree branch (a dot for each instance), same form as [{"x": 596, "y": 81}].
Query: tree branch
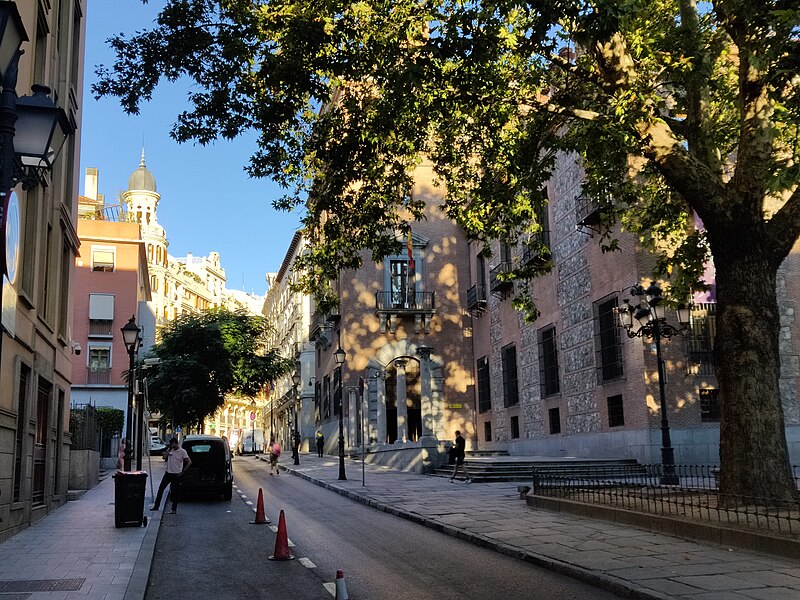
[{"x": 783, "y": 229}]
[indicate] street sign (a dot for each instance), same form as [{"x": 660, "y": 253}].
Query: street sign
[
  {"x": 252, "y": 416},
  {"x": 177, "y": 430}
]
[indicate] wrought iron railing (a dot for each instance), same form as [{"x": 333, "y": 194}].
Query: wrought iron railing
[
  {"x": 639, "y": 488},
  {"x": 394, "y": 301},
  {"x": 98, "y": 376},
  {"x": 476, "y": 297},
  {"x": 497, "y": 282},
  {"x": 83, "y": 427}
]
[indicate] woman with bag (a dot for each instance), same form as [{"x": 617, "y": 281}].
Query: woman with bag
[{"x": 274, "y": 453}]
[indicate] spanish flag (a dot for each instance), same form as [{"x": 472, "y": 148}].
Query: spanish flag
[{"x": 410, "y": 248}]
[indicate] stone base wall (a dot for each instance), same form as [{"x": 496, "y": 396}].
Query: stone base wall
[{"x": 84, "y": 469}]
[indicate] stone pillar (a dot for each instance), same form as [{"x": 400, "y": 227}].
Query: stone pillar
[
  {"x": 352, "y": 425},
  {"x": 424, "y": 353},
  {"x": 402, "y": 402},
  {"x": 380, "y": 425}
]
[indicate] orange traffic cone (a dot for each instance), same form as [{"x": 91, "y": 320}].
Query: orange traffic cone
[
  {"x": 341, "y": 588},
  {"x": 261, "y": 518},
  {"x": 282, "y": 542}
]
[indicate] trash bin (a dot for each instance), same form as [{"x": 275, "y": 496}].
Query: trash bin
[{"x": 129, "y": 487}]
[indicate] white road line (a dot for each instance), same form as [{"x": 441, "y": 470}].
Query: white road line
[
  {"x": 249, "y": 502},
  {"x": 331, "y": 588},
  {"x": 307, "y": 563},
  {"x": 274, "y": 528},
  {"x": 289, "y": 543}
]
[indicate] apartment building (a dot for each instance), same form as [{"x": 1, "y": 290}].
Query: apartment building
[{"x": 36, "y": 336}]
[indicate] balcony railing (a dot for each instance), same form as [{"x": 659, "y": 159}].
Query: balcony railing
[
  {"x": 536, "y": 249},
  {"x": 100, "y": 327},
  {"x": 98, "y": 376},
  {"x": 476, "y": 298},
  {"x": 409, "y": 302},
  {"x": 496, "y": 282}
]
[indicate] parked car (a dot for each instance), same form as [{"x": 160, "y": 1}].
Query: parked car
[
  {"x": 211, "y": 469},
  {"x": 245, "y": 445},
  {"x": 157, "y": 445}
]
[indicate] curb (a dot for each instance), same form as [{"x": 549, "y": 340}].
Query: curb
[{"x": 621, "y": 587}]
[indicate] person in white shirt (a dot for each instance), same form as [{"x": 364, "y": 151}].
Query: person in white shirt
[{"x": 178, "y": 462}]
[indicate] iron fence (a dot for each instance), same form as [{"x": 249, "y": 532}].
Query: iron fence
[
  {"x": 83, "y": 427},
  {"x": 641, "y": 488}
]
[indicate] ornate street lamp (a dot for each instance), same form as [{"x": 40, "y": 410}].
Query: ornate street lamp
[
  {"x": 130, "y": 337},
  {"x": 650, "y": 317},
  {"x": 340, "y": 356}
]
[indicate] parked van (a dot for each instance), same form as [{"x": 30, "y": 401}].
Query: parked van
[
  {"x": 246, "y": 442},
  {"x": 211, "y": 469}
]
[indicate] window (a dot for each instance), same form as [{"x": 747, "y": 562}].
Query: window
[
  {"x": 487, "y": 431},
  {"x": 484, "y": 395},
  {"x": 548, "y": 361},
  {"x": 609, "y": 347},
  {"x": 101, "y": 314},
  {"x": 401, "y": 286},
  {"x": 700, "y": 338},
  {"x": 102, "y": 259},
  {"x": 510, "y": 390},
  {"x": 555, "y": 420},
  {"x": 99, "y": 363},
  {"x": 337, "y": 391},
  {"x": 616, "y": 414},
  {"x": 64, "y": 295},
  {"x": 22, "y": 428},
  {"x": 326, "y": 397},
  {"x": 481, "y": 274},
  {"x": 28, "y": 257},
  {"x": 514, "y": 427},
  {"x": 709, "y": 405}
]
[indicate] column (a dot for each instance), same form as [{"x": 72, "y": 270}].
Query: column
[
  {"x": 380, "y": 425},
  {"x": 424, "y": 353},
  {"x": 352, "y": 425},
  {"x": 402, "y": 403}
]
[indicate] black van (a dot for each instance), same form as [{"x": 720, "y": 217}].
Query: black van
[{"x": 211, "y": 469}]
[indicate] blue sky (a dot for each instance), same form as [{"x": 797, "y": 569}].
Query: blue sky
[{"x": 208, "y": 203}]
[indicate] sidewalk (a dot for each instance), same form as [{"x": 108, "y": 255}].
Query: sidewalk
[
  {"x": 634, "y": 563},
  {"x": 75, "y": 552}
]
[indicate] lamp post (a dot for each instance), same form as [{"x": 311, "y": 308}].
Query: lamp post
[
  {"x": 339, "y": 356},
  {"x": 32, "y": 131},
  {"x": 650, "y": 315},
  {"x": 130, "y": 336},
  {"x": 253, "y": 424},
  {"x": 296, "y": 438}
]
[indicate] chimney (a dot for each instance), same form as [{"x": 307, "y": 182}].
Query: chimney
[{"x": 90, "y": 183}]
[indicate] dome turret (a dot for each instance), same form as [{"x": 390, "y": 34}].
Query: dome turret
[{"x": 141, "y": 178}]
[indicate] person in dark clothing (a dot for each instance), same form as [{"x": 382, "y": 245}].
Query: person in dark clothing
[
  {"x": 320, "y": 443},
  {"x": 459, "y": 452}
]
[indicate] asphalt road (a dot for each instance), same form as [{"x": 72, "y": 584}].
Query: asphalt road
[{"x": 209, "y": 549}]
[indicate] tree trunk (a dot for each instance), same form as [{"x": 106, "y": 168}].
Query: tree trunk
[{"x": 754, "y": 457}]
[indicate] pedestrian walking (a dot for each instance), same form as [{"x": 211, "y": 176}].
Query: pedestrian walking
[
  {"x": 459, "y": 452},
  {"x": 178, "y": 462},
  {"x": 320, "y": 443},
  {"x": 121, "y": 456},
  {"x": 274, "y": 454}
]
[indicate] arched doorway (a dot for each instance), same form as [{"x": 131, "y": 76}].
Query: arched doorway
[{"x": 413, "y": 401}]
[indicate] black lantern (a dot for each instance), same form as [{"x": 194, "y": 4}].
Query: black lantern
[
  {"x": 12, "y": 34},
  {"x": 41, "y": 129}
]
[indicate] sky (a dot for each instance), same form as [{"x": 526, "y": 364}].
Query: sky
[{"x": 208, "y": 203}]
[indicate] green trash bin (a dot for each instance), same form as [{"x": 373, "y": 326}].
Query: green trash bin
[{"x": 129, "y": 488}]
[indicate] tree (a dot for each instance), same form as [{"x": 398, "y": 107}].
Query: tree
[
  {"x": 675, "y": 111},
  {"x": 206, "y": 356}
]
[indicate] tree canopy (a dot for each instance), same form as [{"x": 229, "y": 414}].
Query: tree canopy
[
  {"x": 678, "y": 111},
  {"x": 205, "y": 357}
]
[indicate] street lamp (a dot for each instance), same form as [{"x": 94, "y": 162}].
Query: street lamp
[
  {"x": 650, "y": 316},
  {"x": 253, "y": 422},
  {"x": 130, "y": 336},
  {"x": 339, "y": 356},
  {"x": 296, "y": 441}
]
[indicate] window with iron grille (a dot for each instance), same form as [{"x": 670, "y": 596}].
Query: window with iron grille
[
  {"x": 616, "y": 413},
  {"x": 337, "y": 391},
  {"x": 514, "y": 427},
  {"x": 700, "y": 338},
  {"x": 609, "y": 346},
  {"x": 484, "y": 395},
  {"x": 22, "y": 428},
  {"x": 510, "y": 389},
  {"x": 555, "y": 420},
  {"x": 487, "y": 431},
  {"x": 326, "y": 397},
  {"x": 548, "y": 361},
  {"x": 709, "y": 405}
]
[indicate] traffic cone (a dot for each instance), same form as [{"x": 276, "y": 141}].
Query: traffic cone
[
  {"x": 261, "y": 518},
  {"x": 282, "y": 542},
  {"x": 341, "y": 588}
]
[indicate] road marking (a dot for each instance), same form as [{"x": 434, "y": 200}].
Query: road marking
[
  {"x": 307, "y": 563},
  {"x": 331, "y": 588},
  {"x": 243, "y": 496},
  {"x": 248, "y": 502},
  {"x": 289, "y": 543},
  {"x": 274, "y": 528}
]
